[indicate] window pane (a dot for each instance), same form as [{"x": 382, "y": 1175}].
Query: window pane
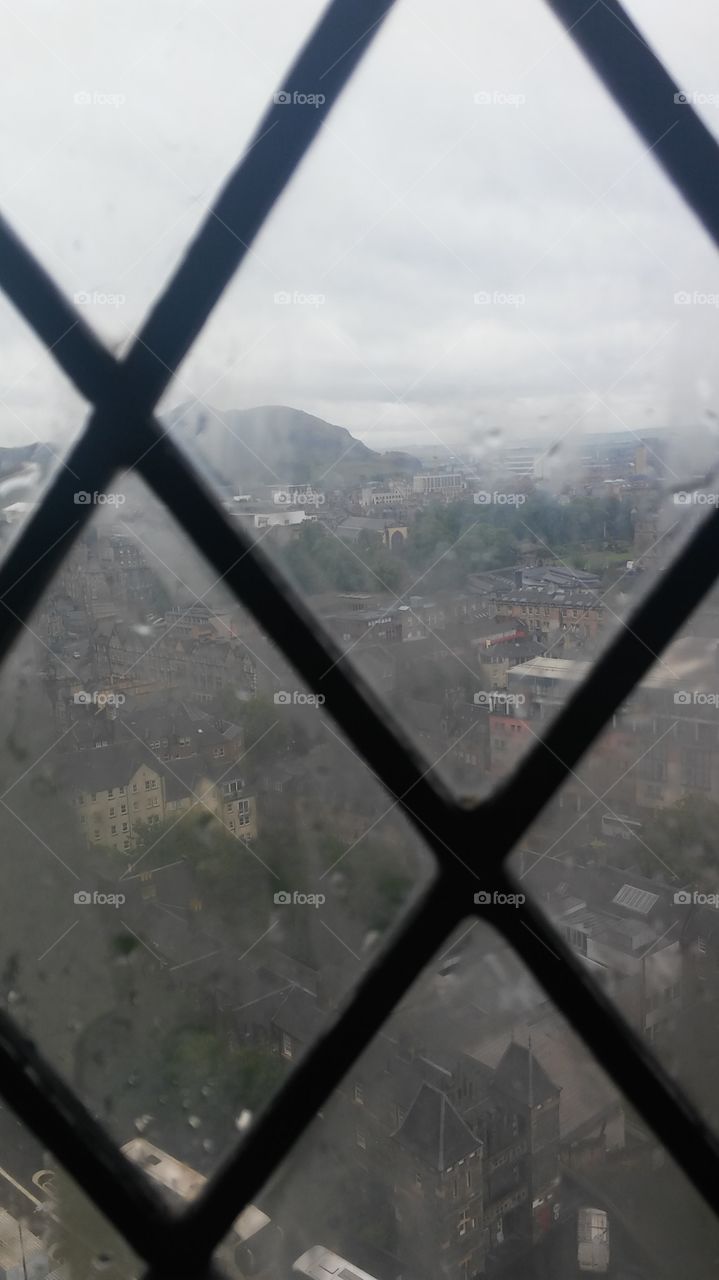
[
  {"x": 198, "y": 866},
  {"x": 683, "y": 42},
  {"x": 487, "y": 1142},
  {"x": 456, "y": 387},
  {"x": 41, "y": 414},
  {"x": 624, "y": 862},
  {"x": 132, "y": 123},
  {"x": 49, "y": 1226}
]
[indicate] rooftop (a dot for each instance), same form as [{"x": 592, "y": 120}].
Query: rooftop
[{"x": 434, "y": 1132}]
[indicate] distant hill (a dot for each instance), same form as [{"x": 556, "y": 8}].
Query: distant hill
[
  {"x": 15, "y": 458},
  {"x": 274, "y": 444}
]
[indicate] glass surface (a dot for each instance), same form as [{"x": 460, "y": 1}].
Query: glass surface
[
  {"x": 197, "y": 865},
  {"x": 477, "y": 1137},
  {"x": 48, "y": 1226},
  {"x": 463, "y": 372},
  {"x": 684, "y": 42},
  {"x": 130, "y": 123},
  {"x": 41, "y": 414},
  {"x": 623, "y": 860}
]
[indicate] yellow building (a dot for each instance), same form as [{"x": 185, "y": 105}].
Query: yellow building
[{"x": 120, "y": 790}]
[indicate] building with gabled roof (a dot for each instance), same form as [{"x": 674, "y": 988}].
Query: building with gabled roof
[{"x": 120, "y": 790}]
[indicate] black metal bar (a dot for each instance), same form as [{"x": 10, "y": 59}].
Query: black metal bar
[
  {"x": 623, "y": 1054},
  {"x": 325, "y": 64},
  {"x": 619, "y": 53},
  {"x": 314, "y": 1077},
  {"x": 689, "y": 155},
  {"x": 645, "y": 634},
  {"x": 42, "y": 545},
  {"x": 298, "y": 633},
  {"x": 67, "y": 336},
  {"x": 53, "y": 1113}
]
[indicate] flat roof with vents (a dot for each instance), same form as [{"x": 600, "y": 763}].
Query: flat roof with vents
[{"x": 635, "y": 899}]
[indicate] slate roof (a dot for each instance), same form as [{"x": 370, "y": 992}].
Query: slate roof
[
  {"x": 300, "y": 1016},
  {"x": 434, "y": 1132},
  {"x": 519, "y": 1078}
]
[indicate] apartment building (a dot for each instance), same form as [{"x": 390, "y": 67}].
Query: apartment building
[
  {"x": 376, "y": 496},
  {"x": 202, "y": 664},
  {"x": 121, "y": 790},
  {"x": 468, "y": 1152},
  {"x": 668, "y": 731},
  {"x": 441, "y": 484}
]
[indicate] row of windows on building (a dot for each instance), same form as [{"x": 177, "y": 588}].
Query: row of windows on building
[{"x": 151, "y": 784}]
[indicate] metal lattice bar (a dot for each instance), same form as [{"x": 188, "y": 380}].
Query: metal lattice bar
[{"x": 470, "y": 846}]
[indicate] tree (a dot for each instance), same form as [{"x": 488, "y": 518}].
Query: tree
[
  {"x": 219, "y": 1082},
  {"x": 684, "y": 837}
]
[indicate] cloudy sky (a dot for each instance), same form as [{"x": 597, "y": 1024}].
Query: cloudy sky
[{"x": 473, "y": 155}]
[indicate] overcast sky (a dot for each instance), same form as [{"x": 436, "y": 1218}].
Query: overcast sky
[{"x": 415, "y": 198}]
